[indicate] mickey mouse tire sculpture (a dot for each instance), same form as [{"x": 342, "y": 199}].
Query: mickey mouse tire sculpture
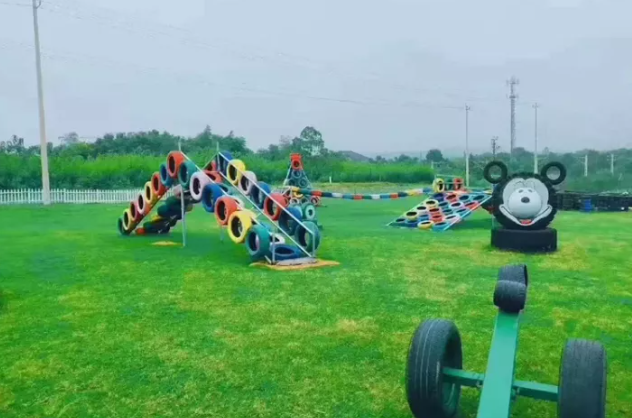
[{"x": 524, "y": 204}]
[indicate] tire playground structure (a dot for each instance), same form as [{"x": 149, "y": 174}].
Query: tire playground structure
[
  {"x": 270, "y": 226},
  {"x": 296, "y": 180},
  {"x": 594, "y": 202},
  {"x": 435, "y": 375},
  {"x": 449, "y": 204}
]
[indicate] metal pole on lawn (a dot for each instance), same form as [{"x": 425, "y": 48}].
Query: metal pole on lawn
[
  {"x": 535, "y": 145},
  {"x": 182, "y": 211}
]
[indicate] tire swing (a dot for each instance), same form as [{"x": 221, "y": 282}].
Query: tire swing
[{"x": 524, "y": 204}]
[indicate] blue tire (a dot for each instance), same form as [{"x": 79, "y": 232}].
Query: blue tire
[
  {"x": 285, "y": 252},
  {"x": 164, "y": 176},
  {"x": 210, "y": 193},
  {"x": 286, "y": 222},
  {"x": 257, "y": 197}
]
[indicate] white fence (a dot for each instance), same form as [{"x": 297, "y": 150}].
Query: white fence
[{"x": 34, "y": 196}]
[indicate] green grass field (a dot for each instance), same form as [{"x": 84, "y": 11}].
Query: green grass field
[{"x": 97, "y": 325}]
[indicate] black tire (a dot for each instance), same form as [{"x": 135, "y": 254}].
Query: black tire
[
  {"x": 554, "y": 164},
  {"x": 514, "y": 273},
  {"x": 510, "y": 297},
  {"x": 487, "y": 172},
  {"x": 540, "y": 241},
  {"x": 436, "y": 344},
  {"x": 583, "y": 376}
]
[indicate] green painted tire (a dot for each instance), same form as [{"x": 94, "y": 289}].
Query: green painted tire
[
  {"x": 258, "y": 242},
  {"x": 305, "y": 239},
  {"x": 309, "y": 211}
]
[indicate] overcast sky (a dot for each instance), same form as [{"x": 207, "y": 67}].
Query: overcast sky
[{"x": 372, "y": 76}]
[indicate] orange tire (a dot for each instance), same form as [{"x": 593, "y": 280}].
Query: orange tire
[
  {"x": 273, "y": 204},
  {"x": 174, "y": 159},
  {"x": 224, "y": 207},
  {"x": 133, "y": 211}
]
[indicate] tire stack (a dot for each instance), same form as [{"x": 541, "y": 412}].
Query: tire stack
[
  {"x": 525, "y": 204},
  {"x": 297, "y": 179},
  {"x": 153, "y": 191},
  {"x": 256, "y": 232}
]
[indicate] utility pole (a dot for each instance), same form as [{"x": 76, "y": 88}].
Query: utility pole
[
  {"x": 512, "y": 83},
  {"x": 42, "y": 116},
  {"x": 535, "y": 144},
  {"x": 467, "y": 146},
  {"x": 612, "y": 164},
  {"x": 495, "y": 146},
  {"x": 586, "y": 165}
]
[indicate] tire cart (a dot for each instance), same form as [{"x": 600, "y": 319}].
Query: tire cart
[{"x": 434, "y": 375}]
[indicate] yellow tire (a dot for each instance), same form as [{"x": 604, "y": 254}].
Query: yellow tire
[
  {"x": 239, "y": 224},
  {"x": 128, "y": 221},
  {"x": 431, "y": 203},
  {"x": 150, "y": 194},
  {"x": 234, "y": 171},
  {"x": 438, "y": 186},
  {"x": 425, "y": 225}
]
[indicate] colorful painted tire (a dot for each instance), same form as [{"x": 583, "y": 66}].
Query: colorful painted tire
[
  {"x": 196, "y": 186},
  {"x": 157, "y": 185},
  {"x": 425, "y": 224},
  {"x": 128, "y": 220},
  {"x": 431, "y": 203},
  {"x": 438, "y": 186},
  {"x": 239, "y": 224},
  {"x": 224, "y": 207},
  {"x": 412, "y": 215},
  {"x": 121, "y": 227},
  {"x": 174, "y": 160},
  {"x": 222, "y": 163},
  {"x": 439, "y": 197},
  {"x": 421, "y": 208},
  {"x": 215, "y": 176},
  {"x": 310, "y": 242},
  {"x": 273, "y": 205},
  {"x": 247, "y": 182},
  {"x": 458, "y": 183},
  {"x": 444, "y": 204},
  {"x": 235, "y": 171},
  {"x": 296, "y": 174},
  {"x": 465, "y": 198},
  {"x": 451, "y": 197},
  {"x": 315, "y": 200},
  {"x": 210, "y": 193},
  {"x": 303, "y": 183},
  {"x": 286, "y": 222},
  {"x": 295, "y": 201},
  {"x": 439, "y": 226},
  {"x": 309, "y": 211},
  {"x": 400, "y": 221},
  {"x": 185, "y": 173},
  {"x": 258, "y": 242},
  {"x": 142, "y": 205},
  {"x": 452, "y": 218},
  {"x": 478, "y": 197},
  {"x": 133, "y": 211},
  {"x": 150, "y": 196},
  {"x": 165, "y": 179},
  {"x": 256, "y": 195},
  {"x": 284, "y": 252},
  {"x": 456, "y": 205}
]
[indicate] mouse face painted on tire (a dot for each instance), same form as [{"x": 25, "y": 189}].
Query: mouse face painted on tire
[{"x": 524, "y": 201}]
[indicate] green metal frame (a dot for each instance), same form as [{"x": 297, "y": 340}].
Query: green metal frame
[{"x": 499, "y": 386}]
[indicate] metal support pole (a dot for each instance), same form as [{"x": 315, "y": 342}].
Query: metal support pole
[
  {"x": 586, "y": 166},
  {"x": 183, "y": 212},
  {"x": 42, "y": 114}
]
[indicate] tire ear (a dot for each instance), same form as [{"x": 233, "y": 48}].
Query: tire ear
[
  {"x": 546, "y": 172},
  {"x": 487, "y": 172}
]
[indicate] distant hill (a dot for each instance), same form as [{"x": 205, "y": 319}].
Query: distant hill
[{"x": 354, "y": 156}]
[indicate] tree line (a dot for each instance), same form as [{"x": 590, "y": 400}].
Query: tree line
[{"x": 126, "y": 160}]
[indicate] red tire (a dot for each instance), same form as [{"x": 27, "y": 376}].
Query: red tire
[{"x": 272, "y": 206}]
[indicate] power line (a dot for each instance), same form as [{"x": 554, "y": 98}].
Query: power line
[
  {"x": 100, "y": 61},
  {"x": 134, "y": 27}
]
